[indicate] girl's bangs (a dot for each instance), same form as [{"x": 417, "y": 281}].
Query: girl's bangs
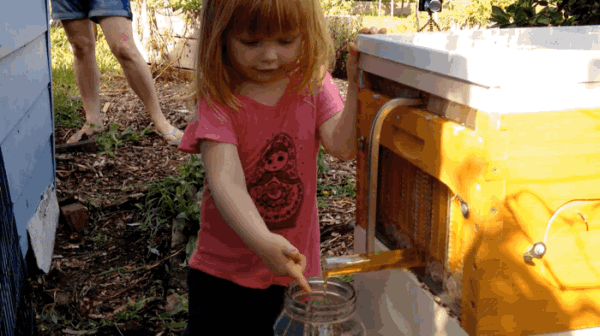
[{"x": 267, "y": 17}]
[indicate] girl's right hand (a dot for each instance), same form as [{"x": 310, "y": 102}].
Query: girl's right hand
[
  {"x": 282, "y": 258},
  {"x": 352, "y": 62}
]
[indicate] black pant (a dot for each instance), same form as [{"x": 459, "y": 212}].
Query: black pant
[{"x": 221, "y": 307}]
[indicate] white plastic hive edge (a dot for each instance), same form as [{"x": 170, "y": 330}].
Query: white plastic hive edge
[
  {"x": 521, "y": 70},
  {"x": 497, "y": 57}
]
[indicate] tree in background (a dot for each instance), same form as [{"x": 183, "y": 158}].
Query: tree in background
[{"x": 539, "y": 13}]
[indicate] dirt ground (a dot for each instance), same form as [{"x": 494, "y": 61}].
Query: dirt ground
[{"x": 95, "y": 274}]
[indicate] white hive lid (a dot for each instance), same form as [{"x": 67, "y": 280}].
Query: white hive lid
[{"x": 517, "y": 63}]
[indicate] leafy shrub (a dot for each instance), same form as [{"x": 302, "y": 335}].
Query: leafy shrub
[
  {"x": 193, "y": 7},
  {"x": 343, "y": 31},
  {"x": 322, "y": 167},
  {"x": 337, "y": 7},
  {"x": 112, "y": 140},
  {"x": 174, "y": 197},
  {"x": 476, "y": 14},
  {"x": 541, "y": 13}
]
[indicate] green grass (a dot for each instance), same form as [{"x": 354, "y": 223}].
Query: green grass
[{"x": 63, "y": 81}]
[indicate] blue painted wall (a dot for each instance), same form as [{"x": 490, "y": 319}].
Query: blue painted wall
[
  {"x": 26, "y": 121},
  {"x": 27, "y": 170}
]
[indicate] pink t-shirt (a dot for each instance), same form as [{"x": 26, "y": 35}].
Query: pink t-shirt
[{"x": 278, "y": 147}]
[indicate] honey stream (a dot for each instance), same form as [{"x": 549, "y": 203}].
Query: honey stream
[{"x": 369, "y": 262}]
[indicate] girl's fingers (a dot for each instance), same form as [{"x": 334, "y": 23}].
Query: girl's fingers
[
  {"x": 303, "y": 262},
  {"x": 372, "y": 30},
  {"x": 294, "y": 255},
  {"x": 296, "y": 271}
]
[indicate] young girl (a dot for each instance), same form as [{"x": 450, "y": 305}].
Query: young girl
[{"x": 265, "y": 103}]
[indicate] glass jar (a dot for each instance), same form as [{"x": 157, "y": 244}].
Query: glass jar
[{"x": 332, "y": 314}]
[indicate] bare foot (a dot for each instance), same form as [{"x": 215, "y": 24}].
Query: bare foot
[{"x": 86, "y": 131}]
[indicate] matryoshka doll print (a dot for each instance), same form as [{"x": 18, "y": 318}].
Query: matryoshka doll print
[{"x": 275, "y": 187}]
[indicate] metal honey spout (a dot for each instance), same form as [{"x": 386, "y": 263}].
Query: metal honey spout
[{"x": 371, "y": 262}]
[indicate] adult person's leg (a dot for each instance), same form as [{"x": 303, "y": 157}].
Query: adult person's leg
[
  {"x": 119, "y": 35},
  {"x": 80, "y": 34}
]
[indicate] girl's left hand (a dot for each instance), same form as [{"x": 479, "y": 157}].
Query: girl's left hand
[{"x": 352, "y": 61}]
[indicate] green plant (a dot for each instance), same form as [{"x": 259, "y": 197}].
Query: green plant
[
  {"x": 474, "y": 14},
  {"x": 166, "y": 317},
  {"x": 190, "y": 8},
  {"x": 322, "y": 167},
  {"x": 132, "y": 309},
  {"x": 189, "y": 248},
  {"x": 325, "y": 191},
  {"x": 112, "y": 140},
  {"x": 337, "y": 7},
  {"x": 174, "y": 197},
  {"x": 99, "y": 238},
  {"x": 540, "y": 13},
  {"x": 343, "y": 31},
  {"x": 194, "y": 7}
]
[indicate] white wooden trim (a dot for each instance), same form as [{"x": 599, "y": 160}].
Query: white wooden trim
[
  {"x": 517, "y": 98},
  {"x": 42, "y": 229}
]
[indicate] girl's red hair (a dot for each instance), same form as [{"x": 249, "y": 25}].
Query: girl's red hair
[{"x": 215, "y": 79}]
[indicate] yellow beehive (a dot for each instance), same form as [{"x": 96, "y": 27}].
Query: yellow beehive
[{"x": 506, "y": 137}]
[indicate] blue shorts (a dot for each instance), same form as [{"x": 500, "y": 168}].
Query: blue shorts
[{"x": 81, "y": 9}]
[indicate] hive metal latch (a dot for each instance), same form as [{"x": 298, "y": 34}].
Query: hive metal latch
[
  {"x": 539, "y": 248},
  {"x": 537, "y": 251},
  {"x": 373, "y": 162},
  {"x": 464, "y": 206}
]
